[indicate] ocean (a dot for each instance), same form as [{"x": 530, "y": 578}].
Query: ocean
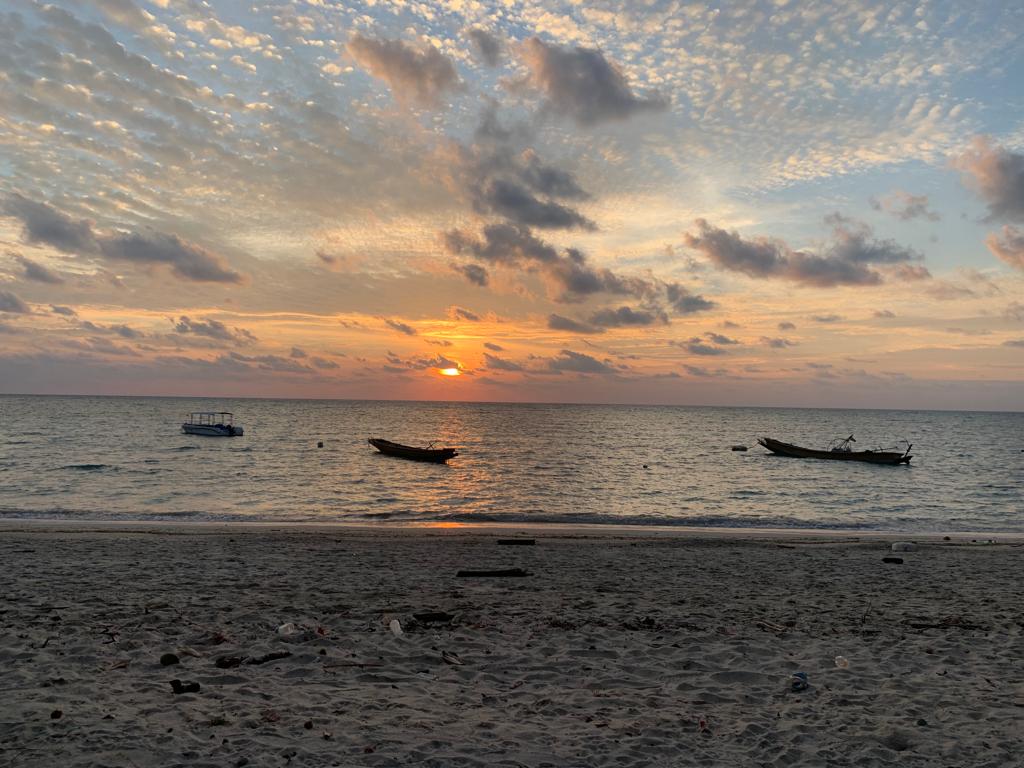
[{"x": 122, "y": 458}]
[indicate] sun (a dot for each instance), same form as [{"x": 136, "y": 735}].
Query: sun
[{"x": 450, "y": 371}]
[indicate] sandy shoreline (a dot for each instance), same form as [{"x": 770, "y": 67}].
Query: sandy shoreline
[{"x": 613, "y": 651}]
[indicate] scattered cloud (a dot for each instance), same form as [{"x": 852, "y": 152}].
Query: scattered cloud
[
  {"x": 787, "y": 326},
  {"x": 489, "y": 48},
  {"x": 582, "y": 84},
  {"x": 9, "y": 302},
  {"x": 211, "y": 329},
  {"x": 905, "y": 206},
  {"x": 1008, "y": 246},
  {"x": 58, "y": 309},
  {"x": 997, "y": 175},
  {"x": 498, "y": 364},
  {"x": 777, "y": 343},
  {"x": 401, "y": 327},
  {"x": 460, "y": 313},
  {"x": 493, "y": 347},
  {"x": 568, "y": 361},
  {"x": 419, "y": 77},
  {"x": 560, "y": 323},
  {"x": 36, "y": 272}
]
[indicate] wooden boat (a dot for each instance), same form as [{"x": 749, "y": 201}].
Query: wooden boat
[
  {"x": 438, "y": 455},
  {"x": 840, "y": 450}
]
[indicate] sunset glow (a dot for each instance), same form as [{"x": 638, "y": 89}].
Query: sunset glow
[{"x": 763, "y": 203}]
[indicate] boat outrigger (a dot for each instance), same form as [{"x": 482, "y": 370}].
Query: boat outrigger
[
  {"x": 839, "y": 450},
  {"x": 211, "y": 424},
  {"x": 437, "y": 455}
]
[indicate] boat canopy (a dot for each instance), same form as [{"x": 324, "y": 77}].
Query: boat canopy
[{"x": 210, "y": 417}]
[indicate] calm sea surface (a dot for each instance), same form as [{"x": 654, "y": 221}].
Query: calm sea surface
[{"x": 126, "y": 459}]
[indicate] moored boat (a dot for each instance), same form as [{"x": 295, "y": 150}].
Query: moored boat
[
  {"x": 438, "y": 455},
  {"x": 840, "y": 450},
  {"x": 212, "y": 424}
]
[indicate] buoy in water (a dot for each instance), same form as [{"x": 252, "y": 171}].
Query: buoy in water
[
  {"x": 646, "y": 467},
  {"x": 319, "y": 443}
]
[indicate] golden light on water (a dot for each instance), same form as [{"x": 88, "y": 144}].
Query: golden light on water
[{"x": 450, "y": 371}]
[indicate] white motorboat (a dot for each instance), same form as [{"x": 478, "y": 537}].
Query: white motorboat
[{"x": 211, "y": 424}]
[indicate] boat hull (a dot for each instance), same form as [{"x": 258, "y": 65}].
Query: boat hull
[
  {"x": 211, "y": 430},
  {"x": 433, "y": 455},
  {"x": 870, "y": 457}
]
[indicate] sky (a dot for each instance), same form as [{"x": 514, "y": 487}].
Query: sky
[{"x": 749, "y": 203}]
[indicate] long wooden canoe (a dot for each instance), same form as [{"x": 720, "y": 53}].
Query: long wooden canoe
[
  {"x": 872, "y": 457},
  {"x": 437, "y": 455}
]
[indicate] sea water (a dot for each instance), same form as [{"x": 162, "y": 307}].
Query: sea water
[{"x": 116, "y": 458}]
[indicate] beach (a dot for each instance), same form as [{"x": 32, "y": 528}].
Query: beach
[{"x": 616, "y": 649}]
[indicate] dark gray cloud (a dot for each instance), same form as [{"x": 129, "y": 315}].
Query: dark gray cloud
[
  {"x": 848, "y": 260},
  {"x": 883, "y": 313},
  {"x": 498, "y": 364},
  {"x": 124, "y": 331},
  {"x": 298, "y": 353},
  {"x": 57, "y": 309},
  {"x": 787, "y": 326},
  {"x": 474, "y": 273},
  {"x": 44, "y": 224},
  {"x": 417, "y": 77},
  {"x": 186, "y": 260},
  {"x": 401, "y": 327},
  {"x": 997, "y": 175},
  {"x": 518, "y": 204},
  {"x": 684, "y": 302},
  {"x": 625, "y": 317},
  {"x": 323, "y": 364},
  {"x": 777, "y": 343},
  {"x": 460, "y": 313},
  {"x": 568, "y": 361},
  {"x": 583, "y": 84},
  {"x": 9, "y": 302},
  {"x": 560, "y": 323},
  {"x": 1014, "y": 343},
  {"x": 1008, "y": 246},
  {"x": 211, "y": 329},
  {"x": 826, "y": 318},
  {"x": 696, "y": 370},
  {"x": 489, "y": 48},
  {"x": 698, "y": 346},
  {"x": 493, "y": 347},
  {"x": 718, "y": 338},
  {"x": 274, "y": 363},
  {"x": 905, "y": 206},
  {"x": 37, "y": 272},
  {"x": 516, "y": 247}
]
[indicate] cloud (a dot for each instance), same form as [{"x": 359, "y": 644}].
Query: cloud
[
  {"x": 883, "y": 313},
  {"x": 459, "y": 313},
  {"x": 684, "y": 302},
  {"x": 577, "y": 362},
  {"x": 583, "y": 84},
  {"x": 211, "y": 329},
  {"x": 124, "y": 331},
  {"x": 493, "y": 347},
  {"x": 826, "y": 318},
  {"x": 42, "y": 223},
  {"x": 777, "y": 343},
  {"x": 498, "y": 364},
  {"x": 186, "y": 260},
  {"x": 297, "y": 353},
  {"x": 624, "y": 317},
  {"x": 847, "y": 259},
  {"x": 11, "y": 303},
  {"x": 274, "y": 363},
  {"x": 37, "y": 272},
  {"x": 560, "y": 323},
  {"x": 905, "y": 206},
  {"x": 401, "y": 327},
  {"x": 1014, "y": 343},
  {"x": 718, "y": 338},
  {"x": 787, "y": 326},
  {"x": 489, "y": 48},
  {"x": 324, "y": 364},
  {"x": 474, "y": 273},
  {"x": 697, "y": 346},
  {"x": 57, "y": 309},
  {"x": 419, "y": 77},
  {"x": 1009, "y": 246},
  {"x": 997, "y": 175},
  {"x": 516, "y": 203}
]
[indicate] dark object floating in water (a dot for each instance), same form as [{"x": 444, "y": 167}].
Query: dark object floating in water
[
  {"x": 893, "y": 560},
  {"x": 178, "y": 687},
  {"x": 319, "y": 443},
  {"x": 211, "y": 424},
  {"x": 437, "y": 455},
  {"x": 839, "y": 451},
  {"x": 519, "y": 542},
  {"x": 168, "y": 659},
  {"x": 738, "y": 447},
  {"x": 515, "y": 573}
]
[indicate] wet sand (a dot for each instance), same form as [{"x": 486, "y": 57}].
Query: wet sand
[{"x": 616, "y": 650}]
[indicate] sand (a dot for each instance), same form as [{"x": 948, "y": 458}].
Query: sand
[{"x": 615, "y": 651}]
